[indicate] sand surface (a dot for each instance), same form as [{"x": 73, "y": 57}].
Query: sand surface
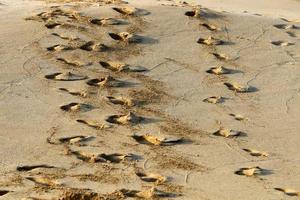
[{"x": 162, "y": 83}]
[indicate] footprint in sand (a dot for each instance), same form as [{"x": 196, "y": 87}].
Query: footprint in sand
[
  {"x": 150, "y": 177},
  {"x": 228, "y": 133},
  {"x": 292, "y": 34},
  {"x": 121, "y": 101},
  {"x": 153, "y": 140},
  {"x": 210, "y": 27},
  {"x": 221, "y": 56},
  {"x": 282, "y": 43},
  {"x": 77, "y": 140},
  {"x": 72, "y": 107},
  {"x": 93, "y": 46},
  {"x": 94, "y": 124},
  {"x": 286, "y": 26},
  {"x": 26, "y": 168},
  {"x": 60, "y": 47},
  {"x": 4, "y": 192},
  {"x": 146, "y": 194},
  {"x": 73, "y": 63},
  {"x": 44, "y": 181},
  {"x": 121, "y": 67},
  {"x": 239, "y": 88},
  {"x": 74, "y": 92},
  {"x": 220, "y": 70},
  {"x": 214, "y": 99},
  {"x": 256, "y": 153},
  {"x": 67, "y": 76},
  {"x": 125, "y": 37},
  {"x": 252, "y": 171},
  {"x": 210, "y": 41},
  {"x": 289, "y": 192},
  {"x": 194, "y": 13},
  {"x": 109, "y": 158},
  {"x": 52, "y": 24},
  {"x": 64, "y": 37},
  {"x": 107, "y": 81},
  {"x": 238, "y": 117},
  {"x": 105, "y": 21},
  {"x": 129, "y": 118},
  {"x": 130, "y": 11}
]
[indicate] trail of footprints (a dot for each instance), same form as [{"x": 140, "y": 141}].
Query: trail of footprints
[
  {"x": 52, "y": 20},
  {"x": 219, "y": 70}
]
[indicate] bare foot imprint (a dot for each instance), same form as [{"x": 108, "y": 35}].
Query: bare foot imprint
[
  {"x": 125, "y": 37},
  {"x": 153, "y": 140},
  {"x": 129, "y": 118},
  {"x": 121, "y": 101},
  {"x": 228, "y": 133},
  {"x": 252, "y": 171},
  {"x": 282, "y": 43},
  {"x": 74, "y": 92},
  {"x": 121, "y": 67},
  {"x": 72, "y": 107},
  {"x": 210, "y": 41},
  {"x": 31, "y": 167},
  {"x": 210, "y": 27},
  {"x": 256, "y": 153},
  {"x": 220, "y": 70},
  {"x": 150, "y": 177},
  {"x": 68, "y": 76},
  {"x": 107, "y": 81},
  {"x": 289, "y": 192},
  {"x": 94, "y": 124},
  {"x": 239, "y": 88},
  {"x": 214, "y": 99}
]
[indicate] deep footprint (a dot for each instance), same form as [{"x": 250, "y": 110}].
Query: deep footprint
[
  {"x": 73, "y": 107},
  {"x": 228, "y": 133},
  {"x": 130, "y": 118},
  {"x": 153, "y": 140}
]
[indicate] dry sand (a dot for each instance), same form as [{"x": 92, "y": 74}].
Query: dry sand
[{"x": 260, "y": 41}]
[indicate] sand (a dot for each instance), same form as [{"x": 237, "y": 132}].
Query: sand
[{"x": 158, "y": 117}]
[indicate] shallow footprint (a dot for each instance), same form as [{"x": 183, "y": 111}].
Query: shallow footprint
[
  {"x": 252, "y": 171},
  {"x": 64, "y": 37},
  {"x": 126, "y": 10},
  {"x": 257, "y": 153},
  {"x": 43, "y": 181},
  {"x": 93, "y": 124},
  {"x": 107, "y": 81},
  {"x": 59, "y": 47},
  {"x": 151, "y": 177},
  {"x": 78, "y": 139},
  {"x": 209, "y": 26},
  {"x": 153, "y": 140},
  {"x": 282, "y": 43},
  {"x": 52, "y": 24},
  {"x": 286, "y": 26},
  {"x": 239, "y": 88},
  {"x": 72, "y": 62},
  {"x": 124, "y": 37},
  {"x": 219, "y": 70},
  {"x": 221, "y": 56},
  {"x": 120, "y": 67},
  {"x": 228, "y": 133},
  {"x": 93, "y": 46},
  {"x": 130, "y": 118},
  {"x": 238, "y": 117},
  {"x": 31, "y": 167},
  {"x": 73, "y": 92},
  {"x": 72, "y": 107},
  {"x": 210, "y": 41},
  {"x": 289, "y": 192},
  {"x": 105, "y": 21},
  {"x": 152, "y": 193},
  {"x": 121, "y": 101},
  {"x": 68, "y": 76},
  {"x": 214, "y": 99}
]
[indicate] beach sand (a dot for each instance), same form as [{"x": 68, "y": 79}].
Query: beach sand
[{"x": 198, "y": 107}]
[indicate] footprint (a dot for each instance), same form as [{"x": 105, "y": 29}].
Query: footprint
[
  {"x": 93, "y": 46},
  {"x": 292, "y": 34},
  {"x": 214, "y": 99},
  {"x": 71, "y": 38},
  {"x": 237, "y": 117},
  {"x": 121, "y": 101},
  {"x": 107, "y": 81},
  {"x": 282, "y": 43},
  {"x": 59, "y": 47},
  {"x": 210, "y": 41},
  {"x": 78, "y": 139},
  {"x": 4, "y": 192},
  {"x": 219, "y": 70},
  {"x": 105, "y": 21},
  {"x": 152, "y": 193},
  {"x": 289, "y": 192},
  {"x": 151, "y": 177},
  {"x": 153, "y": 140},
  {"x": 31, "y": 167},
  {"x": 130, "y": 118},
  {"x": 209, "y": 26},
  {"x": 93, "y": 124},
  {"x": 75, "y": 93},
  {"x": 228, "y": 133},
  {"x": 52, "y": 24},
  {"x": 121, "y": 67},
  {"x": 286, "y": 26},
  {"x": 252, "y": 171},
  {"x": 68, "y": 76},
  {"x": 72, "y": 63},
  {"x": 239, "y": 88},
  {"x": 291, "y": 21},
  {"x": 44, "y": 181},
  {"x": 257, "y": 153},
  {"x": 221, "y": 56},
  {"x": 193, "y": 13},
  {"x": 126, "y": 10},
  {"x": 72, "y": 107},
  {"x": 124, "y": 37}
]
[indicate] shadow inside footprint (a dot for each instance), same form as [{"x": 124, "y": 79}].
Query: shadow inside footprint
[
  {"x": 68, "y": 76},
  {"x": 240, "y": 89},
  {"x": 31, "y": 167},
  {"x": 77, "y": 107},
  {"x": 4, "y": 192}
]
